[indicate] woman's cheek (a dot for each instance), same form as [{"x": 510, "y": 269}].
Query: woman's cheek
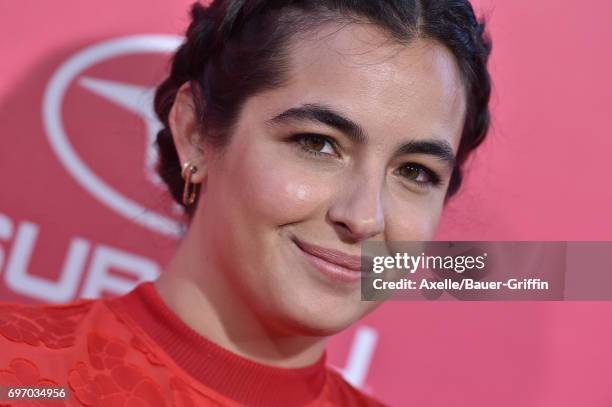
[
  {"x": 411, "y": 222},
  {"x": 285, "y": 195}
]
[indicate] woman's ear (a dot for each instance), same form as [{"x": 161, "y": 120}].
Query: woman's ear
[{"x": 186, "y": 132}]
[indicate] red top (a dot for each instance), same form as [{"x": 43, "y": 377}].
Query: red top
[{"x": 134, "y": 351}]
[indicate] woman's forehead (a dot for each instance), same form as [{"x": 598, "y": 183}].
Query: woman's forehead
[{"x": 376, "y": 81}]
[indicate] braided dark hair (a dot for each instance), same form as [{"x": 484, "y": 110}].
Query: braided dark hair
[{"x": 235, "y": 49}]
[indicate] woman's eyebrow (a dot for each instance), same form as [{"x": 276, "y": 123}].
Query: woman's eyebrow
[
  {"x": 319, "y": 113},
  {"x": 326, "y": 115},
  {"x": 440, "y": 149}
]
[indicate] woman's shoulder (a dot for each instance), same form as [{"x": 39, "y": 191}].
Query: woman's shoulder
[
  {"x": 83, "y": 346},
  {"x": 44, "y": 325},
  {"x": 340, "y": 392},
  {"x": 38, "y": 342}
]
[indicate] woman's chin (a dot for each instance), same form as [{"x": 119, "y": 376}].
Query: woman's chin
[
  {"x": 316, "y": 326},
  {"x": 322, "y": 318}
]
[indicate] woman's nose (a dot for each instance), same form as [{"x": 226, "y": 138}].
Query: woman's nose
[{"x": 357, "y": 210}]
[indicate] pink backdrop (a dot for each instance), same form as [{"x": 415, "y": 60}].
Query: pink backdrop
[{"x": 81, "y": 215}]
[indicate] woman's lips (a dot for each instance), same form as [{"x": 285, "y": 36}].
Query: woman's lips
[{"x": 334, "y": 263}]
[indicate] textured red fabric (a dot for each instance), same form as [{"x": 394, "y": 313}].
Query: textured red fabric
[{"x": 134, "y": 351}]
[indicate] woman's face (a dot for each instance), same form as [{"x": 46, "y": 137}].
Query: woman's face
[{"x": 358, "y": 145}]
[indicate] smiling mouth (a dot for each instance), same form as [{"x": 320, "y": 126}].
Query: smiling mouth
[{"x": 333, "y": 263}]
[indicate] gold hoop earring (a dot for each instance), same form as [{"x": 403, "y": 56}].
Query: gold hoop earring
[{"x": 189, "y": 191}]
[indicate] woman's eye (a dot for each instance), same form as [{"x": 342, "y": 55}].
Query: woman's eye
[
  {"x": 418, "y": 174},
  {"x": 316, "y": 144}
]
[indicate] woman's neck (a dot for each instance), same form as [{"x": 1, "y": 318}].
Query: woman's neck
[{"x": 202, "y": 297}]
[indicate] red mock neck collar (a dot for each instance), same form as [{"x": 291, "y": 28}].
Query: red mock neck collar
[{"x": 232, "y": 375}]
